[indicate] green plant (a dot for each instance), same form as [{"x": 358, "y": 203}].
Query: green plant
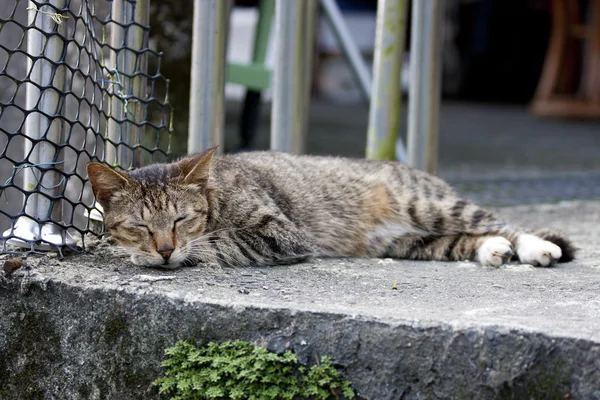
[{"x": 240, "y": 370}]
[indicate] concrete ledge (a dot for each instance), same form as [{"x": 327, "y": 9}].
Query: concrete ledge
[{"x": 94, "y": 326}]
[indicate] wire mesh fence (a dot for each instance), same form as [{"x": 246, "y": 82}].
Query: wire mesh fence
[{"x": 74, "y": 87}]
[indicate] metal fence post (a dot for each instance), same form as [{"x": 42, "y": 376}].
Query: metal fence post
[
  {"x": 294, "y": 29},
  {"x": 44, "y": 129},
  {"x": 424, "y": 95},
  {"x": 384, "y": 113},
  {"x": 138, "y": 38},
  {"x": 207, "y": 93},
  {"x": 309, "y": 34},
  {"x": 126, "y": 81}
]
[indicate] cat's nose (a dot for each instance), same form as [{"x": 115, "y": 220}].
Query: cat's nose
[{"x": 165, "y": 251}]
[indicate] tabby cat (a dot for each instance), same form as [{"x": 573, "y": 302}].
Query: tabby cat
[{"x": 267, "y": 208}]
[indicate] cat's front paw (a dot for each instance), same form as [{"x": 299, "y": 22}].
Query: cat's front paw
[
  {"x": 495, "y": 251},
  {"x": 537, "y": 251}
]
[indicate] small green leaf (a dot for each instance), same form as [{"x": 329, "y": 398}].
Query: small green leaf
[{"x": 240, "y": 370}]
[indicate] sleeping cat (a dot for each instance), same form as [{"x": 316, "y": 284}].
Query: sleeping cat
[{"x": 267, "y": 208}]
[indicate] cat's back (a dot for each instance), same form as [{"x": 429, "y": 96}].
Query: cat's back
[
  {"x": 315, "y": 181},
  {"x": 300, "y": 169}
]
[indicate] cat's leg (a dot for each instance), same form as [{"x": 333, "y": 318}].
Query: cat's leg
[
  {"x": 494, "y": 251},
  {"x": 268, "y": 241},
  {"x": 491, "y": 249},
  {"x": 456, "y": 229},
  {"x": 529, "y": 249},
  {"x": 542, "y": 248}
]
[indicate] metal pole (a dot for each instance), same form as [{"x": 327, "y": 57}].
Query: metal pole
[
  {"x": 292, "y": 48},
  {"x": 51, "y": 104},
  {"x": 384, "y": 113},
  {"x": 310, "y": 28},
  {"x": 424, "y": 98},
  {"x": 137, "y": 39},
  {"x": 43, "y": 175},
  {"x": 127, "y": 83},
  {"x": 349, "y": 47},
  {"x": 24, "y": 227},
  {"x": 115, "y": 118},
  {"x": 207, "y": 94}
]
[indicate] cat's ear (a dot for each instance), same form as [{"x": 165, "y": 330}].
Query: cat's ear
[
  {"x": 195, "y": 169},
  {"x": 106, "y": 181}
]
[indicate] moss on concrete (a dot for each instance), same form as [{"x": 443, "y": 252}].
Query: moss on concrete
[{"x": 240, "y": 370}]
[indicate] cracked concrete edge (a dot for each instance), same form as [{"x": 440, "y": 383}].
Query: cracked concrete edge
[{"x": 70, "y": 342}]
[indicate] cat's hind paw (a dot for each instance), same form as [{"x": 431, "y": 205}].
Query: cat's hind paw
[
  {"x": 495, "y": 251},
  {"x": 537, "y": 251}
]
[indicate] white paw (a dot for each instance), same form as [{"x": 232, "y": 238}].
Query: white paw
[
  {"x": 495, "y": 251},
  {"x": 537, "y": 251}
]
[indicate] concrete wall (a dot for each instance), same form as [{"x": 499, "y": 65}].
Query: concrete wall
[{"x": 67, "y": 342}]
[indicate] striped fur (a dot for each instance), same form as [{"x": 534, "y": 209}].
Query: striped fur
[{"x": 267, "y": 208}]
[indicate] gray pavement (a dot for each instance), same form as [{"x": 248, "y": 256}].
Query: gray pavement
[
  {"x": 396, "y": 329},
  {"x": 530, "y": 190}
]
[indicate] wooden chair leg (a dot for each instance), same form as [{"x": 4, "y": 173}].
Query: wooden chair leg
[
  {"x": 569, "y": 86},
  {"x": 554, "y": 54},
  {"x": 591, "y": 79}
]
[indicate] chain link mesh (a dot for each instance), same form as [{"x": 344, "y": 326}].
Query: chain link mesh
[{"x": 74, "y": 88}]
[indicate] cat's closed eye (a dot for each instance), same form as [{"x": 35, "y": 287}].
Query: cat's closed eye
[
  {"x": 146, "y": 228},
  {"x": 180, "y": 219}
]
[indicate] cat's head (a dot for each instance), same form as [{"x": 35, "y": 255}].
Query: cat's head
[{"x": 157, "y": 211}]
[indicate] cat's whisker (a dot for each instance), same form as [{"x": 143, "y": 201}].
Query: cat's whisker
[
  {"x": 239, "y": 259},
  {"x": 205, "y": 241},
  {"x": 208, "y": 235},
  {"x": 197, "y": 253}
]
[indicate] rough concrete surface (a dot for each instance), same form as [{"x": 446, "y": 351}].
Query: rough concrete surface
[{"x": 93, "y": 326}]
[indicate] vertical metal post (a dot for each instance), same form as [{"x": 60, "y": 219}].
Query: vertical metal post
[
  {"x": 425, "y": 92},
  {"x": 33, "y": 95},
  {"x": 348, "y": 46},
  {"x": 43, "y": 175},
  {"x": 291, "y": 82},
  {"x": 127, "y": 83},
  {"x": 207, "y": 94},
  {"x": 137, "y": 39},
  {"x": 384, "y": 113},
  {"x": 310, "y": 29},
  {"x": 117, "y": 131}
]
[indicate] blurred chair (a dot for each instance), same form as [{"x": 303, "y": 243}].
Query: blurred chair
[
  {"x": 256, "y": 77},
  {"x": 570, "y": 82}
]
